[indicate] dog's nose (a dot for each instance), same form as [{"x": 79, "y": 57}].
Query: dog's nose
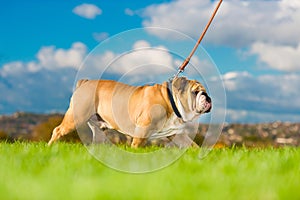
[{"x": 208, "y": 99}]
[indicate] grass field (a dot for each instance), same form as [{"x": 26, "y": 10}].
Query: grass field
[{"x": 68, "y": 171}]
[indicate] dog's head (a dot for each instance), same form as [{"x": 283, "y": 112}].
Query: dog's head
[{"x": 191, "y": 98}]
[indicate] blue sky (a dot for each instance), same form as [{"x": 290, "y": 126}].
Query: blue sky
[
  {"x": 28, "y": 25},
  {"x": 254, "y": 44}
]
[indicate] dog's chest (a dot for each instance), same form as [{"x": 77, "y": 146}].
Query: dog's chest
[{"x": 173, "y": 125}]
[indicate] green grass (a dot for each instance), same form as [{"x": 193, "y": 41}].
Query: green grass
[{"x": 68, "y": 171}]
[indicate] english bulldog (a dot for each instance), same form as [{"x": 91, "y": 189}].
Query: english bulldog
[{"x": 142, "y": 112}]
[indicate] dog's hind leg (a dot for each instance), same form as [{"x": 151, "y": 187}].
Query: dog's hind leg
[
  {"x": 80, "y": 110},
  {"x": 71, "y": 121},
  {"x": 66, "y": 126}
]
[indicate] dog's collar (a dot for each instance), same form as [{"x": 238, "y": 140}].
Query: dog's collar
[{"x": 170, "y": 94}]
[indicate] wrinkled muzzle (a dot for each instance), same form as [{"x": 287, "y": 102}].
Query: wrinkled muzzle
[{"x": 203, "y": 103}]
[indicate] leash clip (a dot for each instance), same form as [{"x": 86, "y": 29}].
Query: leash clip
[{"x": 177, "y": 73}]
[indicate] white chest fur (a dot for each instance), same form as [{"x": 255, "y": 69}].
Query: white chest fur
[{"x": 173, "y": 125}]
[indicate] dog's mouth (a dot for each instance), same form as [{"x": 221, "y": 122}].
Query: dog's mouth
[{"x": 203, "y": 103}]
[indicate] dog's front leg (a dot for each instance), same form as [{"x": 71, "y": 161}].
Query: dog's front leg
[
  {"x": 98, "y": 133},
  {"x": 140, "y": 138},
  {"x": 138, "y": 142},
  {"x": 181, "y": 141},
  {"x": 150, "y": 121}
]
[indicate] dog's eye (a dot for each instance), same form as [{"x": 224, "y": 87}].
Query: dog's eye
[{"x": 195, "y": 92}]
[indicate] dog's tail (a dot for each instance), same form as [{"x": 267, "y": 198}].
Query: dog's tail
[{"x": 80, "y": 82}]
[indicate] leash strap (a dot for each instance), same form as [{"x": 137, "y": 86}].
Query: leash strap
[
  {"x": 187, "y": 60},
  {"x": 170, "y": 94}
]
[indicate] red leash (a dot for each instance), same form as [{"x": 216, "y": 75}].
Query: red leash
[{"x": 187, "y": 60}]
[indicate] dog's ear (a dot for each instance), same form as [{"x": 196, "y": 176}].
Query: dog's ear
[
  {"x": 179, "y": 83},
  {"x": 80, "y": 82}
]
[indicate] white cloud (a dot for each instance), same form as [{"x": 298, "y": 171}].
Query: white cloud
[
  {"x": 12, "y": 68},
  {"x": 233, "y": 79},
  {"x": 144, "y": 60},
  {"x": 50, "y": 58},
  {"x": 269, "y": 29},
  {"x": 141, "y": 44},
  {"x": 141, "y": 59},
  {"x": 99, "y": 37},
  {"x": 238, "y": 23},
  {"x": 40, "y": 91},
  {"x": 242, "y": 116},
  {"x": 129, "y": 12},
  {"x": 43, "y": 84},
  {"x": 89, "y": 11},
  {"x": 265, "y": 95},
  {"x": 279, "y": 57}
]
